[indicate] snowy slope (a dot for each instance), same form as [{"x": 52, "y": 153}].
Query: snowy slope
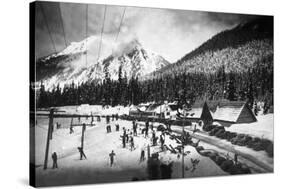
[
  {"x": 98, "y": 145},
  {"x": 79, "y": 62}
]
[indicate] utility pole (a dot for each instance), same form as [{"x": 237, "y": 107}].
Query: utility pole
[
  {"x": 148, "y": 151},
  {"x": 82, "y": 138},
  {"x": 50, "y": 130},
  {"x": 183, "y": 150}
]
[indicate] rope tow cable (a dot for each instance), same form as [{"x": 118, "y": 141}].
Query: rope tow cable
[
  {"x": 101, "y": 33},
  {"x": 86, "y": 35},
  {"x": 64, "y": 36},
  {"x": 121, "y": 21},
  {"x": 119, "y": 28},
  {"x": 49, "y": 31}
]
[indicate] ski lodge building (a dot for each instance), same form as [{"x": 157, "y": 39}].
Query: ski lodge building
[
  {"x": 223, "y": 112},
  {"x": 230, "y": 112},
  {"x": 199, "y": 112}
]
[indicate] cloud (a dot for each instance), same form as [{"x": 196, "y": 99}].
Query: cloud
[{"x": 171, "y": 33}]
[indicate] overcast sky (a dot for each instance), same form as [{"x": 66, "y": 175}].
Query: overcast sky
[{"x": 170, "y": 33}]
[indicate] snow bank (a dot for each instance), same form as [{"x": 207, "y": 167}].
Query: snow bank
[{"x": 263, "y": 128}]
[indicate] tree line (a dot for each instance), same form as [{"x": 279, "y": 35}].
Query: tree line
[{"x": 253, "y": 84}]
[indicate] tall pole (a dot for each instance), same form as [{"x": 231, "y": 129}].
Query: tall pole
[
  {"x": 51, "y": 118},
  {"x": 82, "y": 138},
  {"x": 148, "y": 151},
  {"x": 183, "y": 150}
]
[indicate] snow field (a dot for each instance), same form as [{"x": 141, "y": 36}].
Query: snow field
[{"x": 97, "y": 146}]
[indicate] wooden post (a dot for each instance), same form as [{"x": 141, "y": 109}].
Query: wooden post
[
  {"x": 92, "y": 118},
  {"x": 183, "y": 150},
  {"x": 51, "y": 118},
  {"x": 82, "y": 138}
]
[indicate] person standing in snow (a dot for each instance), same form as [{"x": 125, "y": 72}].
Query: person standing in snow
[
  {"x": 132, "y": 143},
  {"x": 127, "y": 136},
  {"x": 142, "y": 157},
  {"x": 82, "y": 154},
  {"x": 154, "y": 138},
  {"x": 117, "y": 127},
  {"x": 58, "y": 125},
  {"x": 124, "y": 138},
  {"x": 111, "y": 157},
  {"x": 107, "y": 119},
  {"x": 146, "y": 128},
  {"x": 124, "y": 141},
  {"x": 135, "y": 128},
  {"x": 71, "y": 129},
  {"x": 55, "y": 159}
]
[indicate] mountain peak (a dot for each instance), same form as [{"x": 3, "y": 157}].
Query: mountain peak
[{"x": 70, "y": 65}]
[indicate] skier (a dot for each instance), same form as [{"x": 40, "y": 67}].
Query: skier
[
  {"x": 58, "y": 125},
  {"x": 82, "y": 154},
  {"x": 146, "y": 129},
  {"x": 147, "y": 125},
  {"x": 142, "y": 155},
  {"x": 154, "y": 138},
  {"x": 124, "y": 141},
  {"x": 135, "y": 128},
  {"x": 127, "y": 136},
  {"x": 55, "y": 158},
  {"x": 124, "y": 137},
  {"x": 134, "y": 122},
  {"x": 117, "y": 127},
  {"x": 108, "y": 129},
  {"x": 111, "y": 156},
  {"x": 107, "y": 119},
  {"x": 71, "y": 129},
  {"x": 132, "y": 143}
]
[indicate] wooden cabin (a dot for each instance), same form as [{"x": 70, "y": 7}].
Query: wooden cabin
[
  {"x": 200, "y": 111},
  {"x": 230, "y": 112},
  {"x": 134, "y": 111}
]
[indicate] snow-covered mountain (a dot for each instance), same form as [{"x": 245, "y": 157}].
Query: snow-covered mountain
[{"x": 79, "y": 62}]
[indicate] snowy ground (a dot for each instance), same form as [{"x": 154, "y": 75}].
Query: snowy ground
[
  {"x": 263, "y": 128},
  {"x": 98, "y": 144}
]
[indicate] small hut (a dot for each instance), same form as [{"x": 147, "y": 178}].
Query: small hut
[
  {"x": 199, "y": 111},
  {"x": 230, "y": 112},
  {"x": 134, "y": 111}
]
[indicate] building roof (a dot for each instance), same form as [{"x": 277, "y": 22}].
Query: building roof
[
  {"x": 152, "y": 107},
  {"x": 134, "y": 108},
  {"x": 228, "y": 111}
]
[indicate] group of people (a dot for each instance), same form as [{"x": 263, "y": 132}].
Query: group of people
[{"x": 128, "y": 138}]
